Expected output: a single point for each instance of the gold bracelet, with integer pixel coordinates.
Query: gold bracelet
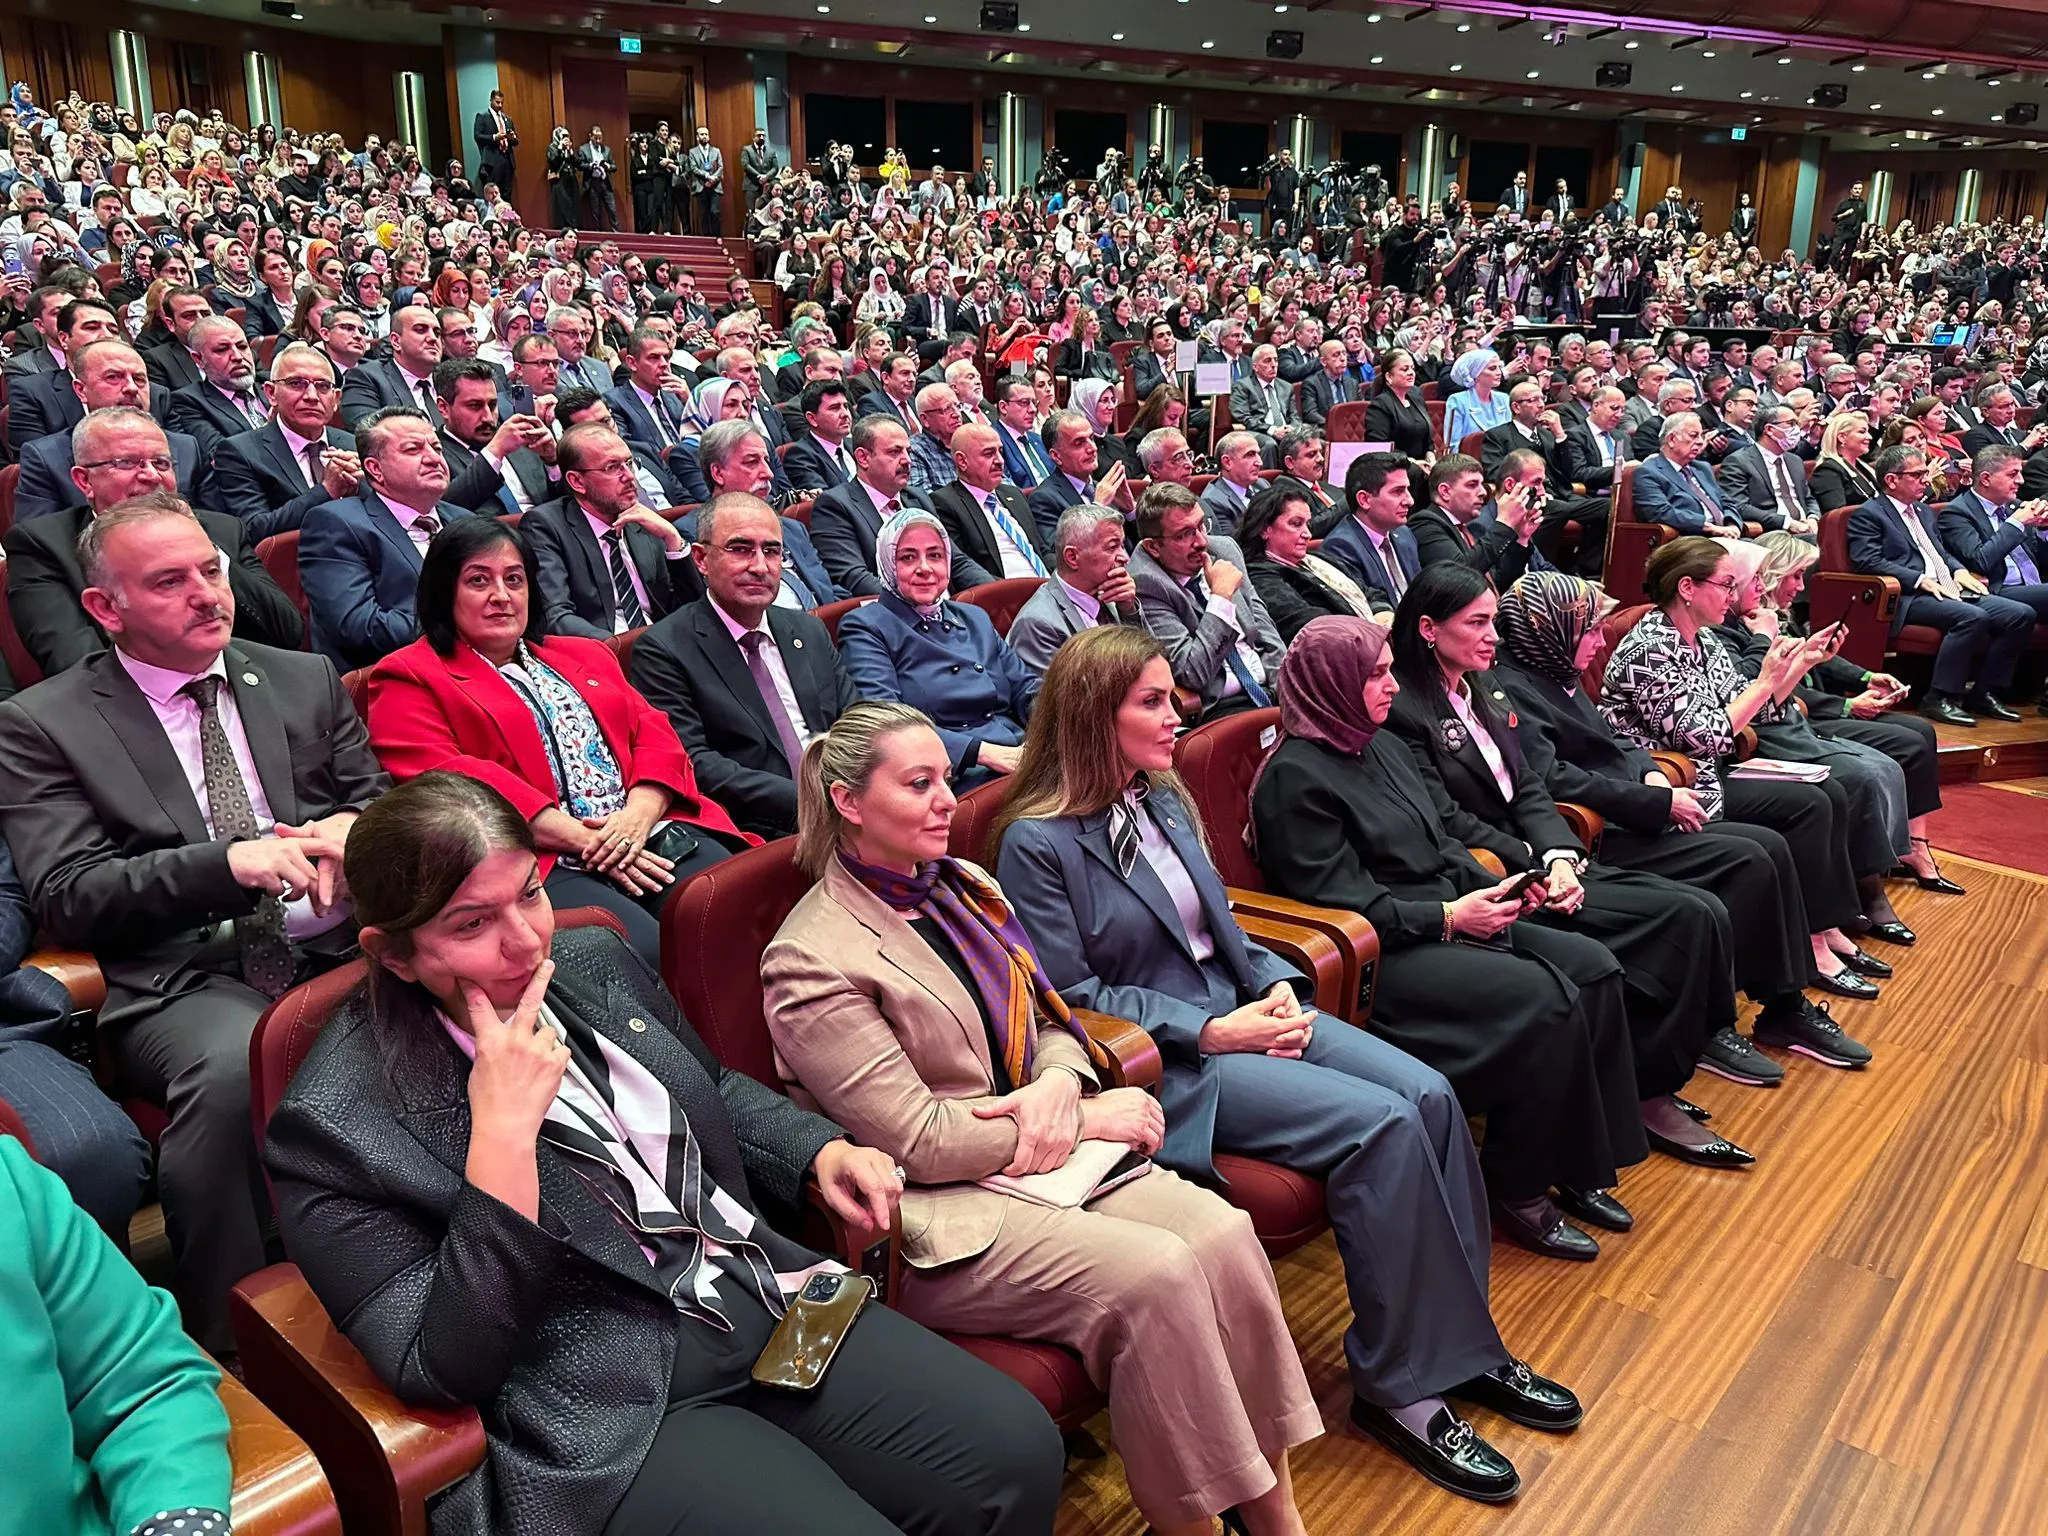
(1447, 924)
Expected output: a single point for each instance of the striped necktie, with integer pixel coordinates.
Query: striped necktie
(1012, 532)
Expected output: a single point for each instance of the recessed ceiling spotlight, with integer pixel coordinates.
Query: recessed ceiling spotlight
(1785, 60)
(1708, 53)
(1747, 94)
(1926, 74)
(1937, 111)
(1456, 67)
(1464, 26)
(1877, 106)
(1372, 15)
(1994, 83)
(1210, 44)
(1857, 69)
(1631, 43)
(1378, 58)
(1116, 37)
(1678, 88)
(1534, 74)
(931, 20)
(1279, 10)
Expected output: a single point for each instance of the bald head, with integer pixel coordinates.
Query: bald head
(978, 455)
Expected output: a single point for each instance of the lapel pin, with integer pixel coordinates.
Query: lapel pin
(251, 679)
(798, 644)
(592, 681)
(638, 1026)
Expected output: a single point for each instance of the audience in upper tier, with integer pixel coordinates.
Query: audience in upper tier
(329, 472)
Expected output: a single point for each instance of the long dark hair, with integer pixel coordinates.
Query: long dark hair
(1437, 592)
(460, 542)
(407, 856)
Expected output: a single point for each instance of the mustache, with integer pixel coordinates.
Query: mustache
(212, 614)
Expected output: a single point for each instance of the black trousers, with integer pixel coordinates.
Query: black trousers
(1981, 640)
(1751, 870)
(1909, 741)
(569, 887)
(1806, 817)
(906, 1433)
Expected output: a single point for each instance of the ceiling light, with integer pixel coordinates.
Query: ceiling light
(1678, 88)
(1279, 10)
(1534, 74)
(1786, 60)
(1210, 44)
(931, 21)
(1926, 74)
(1116, 37)
(824, 10)
(1994, 83)
(1857, 69)
(1372, 15)
(1023, 26)
(1747, 94)
(1877, 106)
(1378, 58)
(1631, 43)
(1937, 111)
(1464, 26)
(1708, 53)
(1456, 67)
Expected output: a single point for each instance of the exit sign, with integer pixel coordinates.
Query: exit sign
(629, 44)
(1738, 133)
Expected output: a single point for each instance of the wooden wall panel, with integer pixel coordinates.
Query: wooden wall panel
(728, 77)
(1777, 191)
(532, 96)
(594, 92)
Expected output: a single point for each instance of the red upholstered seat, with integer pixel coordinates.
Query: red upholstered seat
(712, 938)
(280, 556)
(1000, 600)
(1287, 1208)
(829, 614)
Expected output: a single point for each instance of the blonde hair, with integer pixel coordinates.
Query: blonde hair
(1841, 421)
(847, 754)
(1784, 553)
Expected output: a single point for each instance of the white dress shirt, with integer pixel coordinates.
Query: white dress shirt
(1180, 888)
(602, 530)
(1930, 558)
(408, 518)
(178, 713)
(771, 656)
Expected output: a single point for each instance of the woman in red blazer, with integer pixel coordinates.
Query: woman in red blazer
(550, 722)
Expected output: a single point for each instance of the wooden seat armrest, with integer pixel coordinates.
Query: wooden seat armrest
(1188, 705)
(1354, 937)
(1681, 770)
(1586, 823)
(862, 1248)
(384, 1457)
(1866, 604)
(1745, 745)
(1489, 861)
(1311, 951)
(1133, 1054)
(279, 1489)
(79, 972)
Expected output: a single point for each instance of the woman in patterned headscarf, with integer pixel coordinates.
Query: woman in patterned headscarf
(1549, 625)
(916, 646)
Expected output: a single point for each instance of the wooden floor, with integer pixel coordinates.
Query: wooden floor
(1849, 1340)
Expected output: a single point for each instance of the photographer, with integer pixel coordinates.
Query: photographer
(1052, 174)
(1155, 181)
(1283, 188)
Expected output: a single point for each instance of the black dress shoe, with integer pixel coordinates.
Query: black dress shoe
(1687, 1107)
(1847, 984)
(1555, 1239)
(1596, 1208)
(1863, 964)
(1940, 884)
(1715, 1154)
(1886, 933)
(1943, 710)
(1987, 705)
(1515, 1392)
(1451, 1456)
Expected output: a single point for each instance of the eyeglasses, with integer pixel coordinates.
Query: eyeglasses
(304, 386)
(1727, 584)
(158, 462)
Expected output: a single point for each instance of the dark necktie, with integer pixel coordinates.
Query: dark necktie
(629, 607)
(2020, 565)
(428, 523)
(313, 469)
(267, 963)
(753, 645)
(1791, 497)
(1234, 657)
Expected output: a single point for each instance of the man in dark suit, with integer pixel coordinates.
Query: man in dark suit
(43, 402)
(735, 457)
(658, 488)
(493, 466)
(647, 406)
(1994, 534)
(359, 557)
(170, 363)
(1225, 499)
(1596, 444)
(1153, 366)
(745, 715)
(893, 397)
(1025, 460)
(405, 378)
(1763, 480)
(1202, 608)
(496, 139)
(44, 578)
(1998, 406)
(35, 349)
(607, 563)
(819, 459)
(1331, 384)
(199, 916)
(225, 402)
(933, 315)
(1535, 427)
(1674, 488)
(1263, 402)
(272, 477)
(1304, 460)
(1090, 585)
(1983, 636)
(103, 374)
(1515, 199)
(988, 519)
(845, 520)
(1373, 545)
(1069, 441)
(1446, 529)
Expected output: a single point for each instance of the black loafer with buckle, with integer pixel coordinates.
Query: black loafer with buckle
(1452, 1455)
(1515, 1392)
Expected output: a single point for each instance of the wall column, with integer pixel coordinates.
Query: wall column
(1969, 190)
(409, 97)
(1010, 140)
(130, 54)
(473, 56)
(1807, 194)
(1426, 165)
(1881, 199)
(259, 79)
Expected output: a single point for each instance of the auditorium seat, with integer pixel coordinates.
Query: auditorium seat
(279, 1488)
(1346, 422)
(10, 477)
(1000, 600)
(829, 614)
(1629, 543)
(622, 647)
(1838, 593)
(280, 556)
(387, 1458)
(712, 938)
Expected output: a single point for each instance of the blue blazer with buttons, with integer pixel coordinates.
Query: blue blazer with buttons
(955, 668)
(361, 573)
(1114, 943)
(1348, 547)
(1663, 495)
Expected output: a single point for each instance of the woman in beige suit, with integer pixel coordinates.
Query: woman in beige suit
(905, 1001)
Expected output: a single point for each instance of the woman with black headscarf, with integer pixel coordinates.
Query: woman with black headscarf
(1549, 626)
(1673, 941)
(1529, 1024)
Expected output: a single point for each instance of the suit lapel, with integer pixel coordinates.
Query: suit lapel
(1143, 881)
(905, 949)
(717, 643)
(256, 703)
(1174, 825)
(272, 439)
(651, 561)
(135, 725)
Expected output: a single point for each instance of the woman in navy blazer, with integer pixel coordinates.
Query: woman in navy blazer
(913, 645)
(1104, 862)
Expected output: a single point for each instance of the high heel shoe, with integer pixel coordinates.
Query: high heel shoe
(1937, 882)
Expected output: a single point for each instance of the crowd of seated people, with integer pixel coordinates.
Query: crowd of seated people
(633, 585)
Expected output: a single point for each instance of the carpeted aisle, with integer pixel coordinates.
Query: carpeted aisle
(1997, 823)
